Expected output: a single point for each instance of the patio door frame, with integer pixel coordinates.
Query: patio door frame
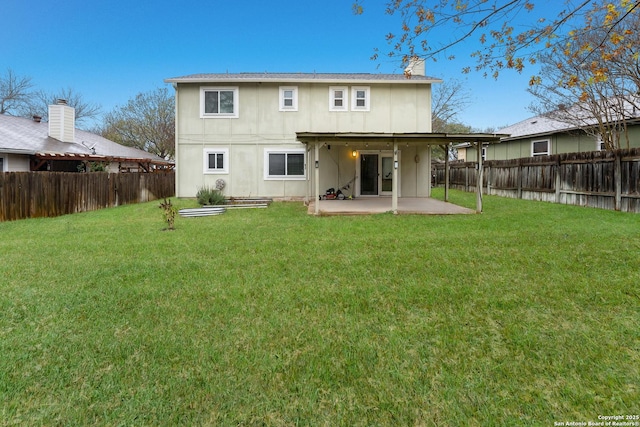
(380, 154)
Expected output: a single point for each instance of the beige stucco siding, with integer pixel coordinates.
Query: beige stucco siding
(261, 125)
(16, 163)
(633, 141)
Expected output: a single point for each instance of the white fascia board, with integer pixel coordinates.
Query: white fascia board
(304, 80)
(16, 151)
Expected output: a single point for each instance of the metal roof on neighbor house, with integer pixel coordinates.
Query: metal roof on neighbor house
(19, 135)
(304, 78)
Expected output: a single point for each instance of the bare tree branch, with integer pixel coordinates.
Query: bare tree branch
(592, 83)
(14, 92)
(146, 122)
(431, 28)
(40, 101)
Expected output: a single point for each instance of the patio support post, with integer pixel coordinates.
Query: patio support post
(316, 177)
(479, 178)
(307, 198)
(394, 184)
(446, 173)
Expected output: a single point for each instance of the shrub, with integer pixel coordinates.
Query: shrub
(169, 213)
(210, 196)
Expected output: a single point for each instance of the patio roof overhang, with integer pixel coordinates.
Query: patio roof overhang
(418, 138)
(145, 164)
(317, 139)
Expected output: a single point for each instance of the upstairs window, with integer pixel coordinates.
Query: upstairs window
(288, 98)
(540, 148)
(216, 160)
(338, 98)
(219, 102)
(360, 98)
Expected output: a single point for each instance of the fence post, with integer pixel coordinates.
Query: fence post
(435, 174)
(617, 180)
(479, 179)
(446, 174)
(519, 179)
(557, 180)
(466, 178)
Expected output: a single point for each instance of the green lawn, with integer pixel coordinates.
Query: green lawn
(528, 314)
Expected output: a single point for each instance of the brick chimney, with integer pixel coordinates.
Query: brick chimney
(62, 121)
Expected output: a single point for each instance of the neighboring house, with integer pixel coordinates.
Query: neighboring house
(541, 136)
(294, 135)
(32, 145)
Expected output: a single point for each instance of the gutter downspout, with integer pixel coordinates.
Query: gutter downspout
(175, 142)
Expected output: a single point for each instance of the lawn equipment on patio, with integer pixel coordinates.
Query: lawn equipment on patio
(332, 194)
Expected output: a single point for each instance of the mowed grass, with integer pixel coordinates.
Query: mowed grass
(528, 314)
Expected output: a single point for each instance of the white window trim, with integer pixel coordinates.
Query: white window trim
(225, 160)
(484, 153)
(294, 107)
(268, 177)
(3, 165)
(367, 96)
(548, 141)
(345, 98)
(236, 102)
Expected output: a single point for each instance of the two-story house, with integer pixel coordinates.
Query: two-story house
(269, 134)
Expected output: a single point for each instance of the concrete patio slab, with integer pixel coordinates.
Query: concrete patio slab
(374, 205)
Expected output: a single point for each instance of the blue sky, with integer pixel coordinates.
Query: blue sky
(110, 50)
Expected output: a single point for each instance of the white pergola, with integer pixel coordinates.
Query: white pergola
(360, 140)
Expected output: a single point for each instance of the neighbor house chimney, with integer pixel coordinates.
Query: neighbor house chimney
(415, 67)
(62, 120)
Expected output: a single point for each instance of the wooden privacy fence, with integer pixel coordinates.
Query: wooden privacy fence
(48, 194)
(601, 179)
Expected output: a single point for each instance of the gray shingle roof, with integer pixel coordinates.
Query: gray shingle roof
(25, 136)
(535, 126)
(303, 78)
(577, 116)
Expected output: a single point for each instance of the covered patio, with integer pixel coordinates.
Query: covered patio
(377, 205)
(360, 143)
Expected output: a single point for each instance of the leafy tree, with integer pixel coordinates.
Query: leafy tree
(14, 93)
(430, 28)
(592, 82)
(146, 122)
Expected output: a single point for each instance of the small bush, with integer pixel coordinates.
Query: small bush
(210, 196)
(169, 213)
